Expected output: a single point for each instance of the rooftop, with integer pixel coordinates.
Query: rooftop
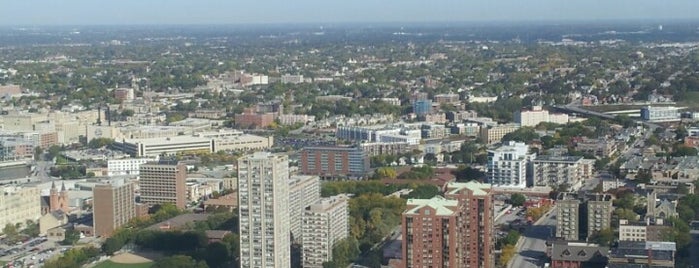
(443, 206)
(476, 187)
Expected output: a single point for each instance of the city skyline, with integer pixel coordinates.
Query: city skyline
(158, 12)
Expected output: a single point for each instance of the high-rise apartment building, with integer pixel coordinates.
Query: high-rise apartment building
(537, 115)
(568, 217)
(599, 213)
(507, 165)
(478, 239)
(335, 161)
(451, 231)
(325, 223)
(431, 233)
(163, 182)
(303, 191)
(263, 194)
(114, 205)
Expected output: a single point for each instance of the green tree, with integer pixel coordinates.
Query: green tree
(10, 232)
(517, 199)
(385, 173)
(216, 255)
(604, 237)
(179, 261)
(111, 245)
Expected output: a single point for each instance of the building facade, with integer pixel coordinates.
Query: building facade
(494, 134)
(263, 194)
(335, 161)
(129, 166)
(508, 164)
(163, 182)
(568, 217)
(19, 204)
(428, 225)
(114, 205)
(554, 171)
(599, 213)
(477, 242)
(153, 147)
(303, 191)
(660, 114)
(325, 223)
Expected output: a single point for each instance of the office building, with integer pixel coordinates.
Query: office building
(599, 213)
(429, 228)
(19, 204)
(114, 204)
(476, 228)
(643, 254)
(660, 114)
(335, 161)
(554, 171)
(303, 191)
(163, 182)
(325, 223)
(152, 147)
(263, 208)
(568, 217)
(508, 164)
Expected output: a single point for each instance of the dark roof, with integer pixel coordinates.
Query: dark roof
(641, 249)
(178, 222)
(578, 252)
(216, 234)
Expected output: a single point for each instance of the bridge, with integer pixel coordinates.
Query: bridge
(581, 111)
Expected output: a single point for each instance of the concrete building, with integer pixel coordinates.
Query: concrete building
(422, 107)
(335, 161)
(19, 204)
(554, 171)
(537, 115)
(153, 147)
(599, 213)
(429, 226)
(507, 165)
(114, 204)
(477, 239)
(263, 194)
(494, 134)
(325, 223)
(660, 114)
(52, 220)
(163, 182)
(303, 191)
(292, 79)
(240, 142)
(568, 217)
(643, 254)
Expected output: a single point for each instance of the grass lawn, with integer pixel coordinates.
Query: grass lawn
(110, 264)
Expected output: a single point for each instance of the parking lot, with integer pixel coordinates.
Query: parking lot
(31, 253)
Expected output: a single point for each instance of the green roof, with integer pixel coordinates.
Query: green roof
(441, 205)
(476, 187)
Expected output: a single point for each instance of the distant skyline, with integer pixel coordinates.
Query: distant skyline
(125, 12)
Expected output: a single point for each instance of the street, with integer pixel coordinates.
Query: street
(532, 248)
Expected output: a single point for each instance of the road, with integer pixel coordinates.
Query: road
(531, 251)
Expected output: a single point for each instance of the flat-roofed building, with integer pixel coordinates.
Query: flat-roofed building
(19, 204)
(334, 161)
(168, 146)
(325, 223)
(303, 191)
(114, 205)
(430, 231)
(163, 182)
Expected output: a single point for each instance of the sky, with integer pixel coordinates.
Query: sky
(117, 12)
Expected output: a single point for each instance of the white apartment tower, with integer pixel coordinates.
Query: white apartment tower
(263, 194)
(324, 224)
(303, 191)
(507, 165)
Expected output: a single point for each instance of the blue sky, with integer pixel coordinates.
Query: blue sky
(80, 12)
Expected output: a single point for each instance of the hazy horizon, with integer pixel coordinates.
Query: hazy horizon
(220, 12)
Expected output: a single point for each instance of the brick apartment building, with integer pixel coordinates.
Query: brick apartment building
(335, 161)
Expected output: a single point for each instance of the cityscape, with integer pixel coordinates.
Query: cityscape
(349, 144)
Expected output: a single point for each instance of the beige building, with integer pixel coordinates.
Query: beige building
(325, 222)
(19, 204)
(114, 204)
(163, 182)
(52, 220)
(490, 135)
(554, 171)
(303, 191)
